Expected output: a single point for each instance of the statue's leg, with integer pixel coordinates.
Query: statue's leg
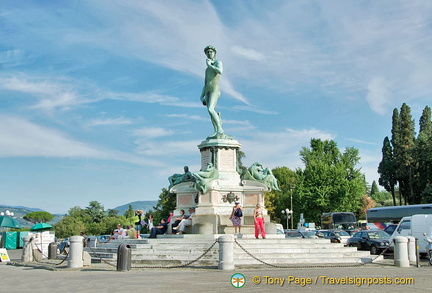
(212, 101)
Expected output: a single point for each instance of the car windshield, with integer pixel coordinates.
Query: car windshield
(308, 234)
(378, 235)
(341, 233)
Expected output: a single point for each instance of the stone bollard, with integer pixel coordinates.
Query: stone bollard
(226, 252)
(401, 251)
(76, 252)
(412, 256)
(27, 252)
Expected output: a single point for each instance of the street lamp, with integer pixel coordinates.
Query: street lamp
(288, 215)
(292, 209)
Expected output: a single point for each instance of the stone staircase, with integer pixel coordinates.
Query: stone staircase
(170, 250)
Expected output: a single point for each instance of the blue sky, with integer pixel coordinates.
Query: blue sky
(99, 100)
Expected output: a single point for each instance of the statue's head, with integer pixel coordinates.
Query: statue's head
(186, 169)
(209, 47)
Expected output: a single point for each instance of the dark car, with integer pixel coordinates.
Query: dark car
(293, 234)
(373, 240)
(335, 235)
(308, 234)
(390, 229)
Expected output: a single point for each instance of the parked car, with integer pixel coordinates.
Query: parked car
(373, 240)
(103, 238)
(334, 235)
(293, 234)
(390, 229)
(308, 234)
(299, 234)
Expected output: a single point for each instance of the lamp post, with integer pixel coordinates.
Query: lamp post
(292, 209)
(288, 215)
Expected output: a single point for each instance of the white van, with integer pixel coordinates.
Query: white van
(415, 226)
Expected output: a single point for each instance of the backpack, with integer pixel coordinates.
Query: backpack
(238, 213)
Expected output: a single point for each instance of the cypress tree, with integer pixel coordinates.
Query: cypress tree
(404, 150)
(386, 169)
(423, 157)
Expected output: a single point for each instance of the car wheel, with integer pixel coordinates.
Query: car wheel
(373, 250)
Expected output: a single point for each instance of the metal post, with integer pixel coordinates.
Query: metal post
(292, 209)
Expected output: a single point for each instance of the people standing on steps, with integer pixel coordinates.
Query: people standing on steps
(259, 221)
(235, 216)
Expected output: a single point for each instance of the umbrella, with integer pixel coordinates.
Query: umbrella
(40, 227)
(9, 222)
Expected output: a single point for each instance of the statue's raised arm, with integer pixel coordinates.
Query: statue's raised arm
(211, 91)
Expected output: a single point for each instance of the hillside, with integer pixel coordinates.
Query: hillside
(136, 205)
(21, 211)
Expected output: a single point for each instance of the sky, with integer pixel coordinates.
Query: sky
(100, 100)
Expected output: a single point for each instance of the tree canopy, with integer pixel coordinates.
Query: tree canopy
(406, 162)
(330, 182)
(38, 217)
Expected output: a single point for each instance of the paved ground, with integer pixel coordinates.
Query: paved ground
(104, 278)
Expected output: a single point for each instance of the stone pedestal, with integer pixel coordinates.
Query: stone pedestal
(214, 207)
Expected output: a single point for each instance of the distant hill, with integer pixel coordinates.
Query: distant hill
(136, 205)
(20, 212)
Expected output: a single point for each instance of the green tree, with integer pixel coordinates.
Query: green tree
(95, 211)
(423, 156)
(165, 204)
(38, 217)
(374, 189)
(383, 198)
(386, 169)
(106, 225)
(403, 154)
(330, 181)
(277, 201)
(69, 226)
(112, 213)
(130, 213)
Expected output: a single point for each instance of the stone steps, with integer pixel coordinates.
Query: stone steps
(180, 249)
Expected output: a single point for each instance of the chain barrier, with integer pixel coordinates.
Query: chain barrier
(179, 266)
(43, 255)
(96, 254)
(305, 266)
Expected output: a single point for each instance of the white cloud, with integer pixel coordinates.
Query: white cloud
(248, 53)
(152, 132)
(361, 141)
(22, 138)
(108, 122)
(166, 149)
(280, 148)
(378, 95)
